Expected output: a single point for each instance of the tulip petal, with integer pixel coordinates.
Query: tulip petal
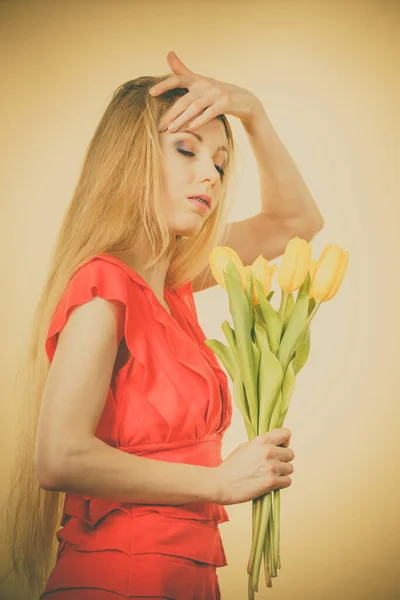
(263, 273)
(342, 268)
(329, 272)
(219, 258)
(217, 263)
(295, 264)
(301, 266)
(312, 267)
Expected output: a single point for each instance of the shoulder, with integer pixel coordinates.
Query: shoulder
(99, 283)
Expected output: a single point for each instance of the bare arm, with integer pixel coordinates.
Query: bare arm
(96, 469)
(68, 456)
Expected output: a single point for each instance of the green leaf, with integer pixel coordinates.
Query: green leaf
(225, 354)
(269, 381)
(288, 311)
(288, 386)
(259, 320)
(271, 319)
(275, 415)
(249, 296)
(257, 360)
(239, 396)
(302, 351)
(295, 326)
(242, 320)
(231, 339)
(311, 304)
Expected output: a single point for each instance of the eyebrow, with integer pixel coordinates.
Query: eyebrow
(198, 136)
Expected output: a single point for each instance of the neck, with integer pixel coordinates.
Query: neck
(155, 276)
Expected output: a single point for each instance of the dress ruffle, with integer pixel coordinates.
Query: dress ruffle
(143, 575)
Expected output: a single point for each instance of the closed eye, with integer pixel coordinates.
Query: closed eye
(191, 154)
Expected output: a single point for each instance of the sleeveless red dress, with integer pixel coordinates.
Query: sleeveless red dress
(169, 402)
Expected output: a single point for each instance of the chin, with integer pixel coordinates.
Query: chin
(187, 229)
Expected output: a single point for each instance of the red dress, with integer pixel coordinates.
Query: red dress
(169, 402)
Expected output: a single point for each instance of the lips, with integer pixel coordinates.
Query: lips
(203, 197)
(202, 206)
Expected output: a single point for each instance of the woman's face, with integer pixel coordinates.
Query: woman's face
(191, 167)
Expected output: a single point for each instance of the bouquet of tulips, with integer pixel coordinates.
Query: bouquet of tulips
(266, 350)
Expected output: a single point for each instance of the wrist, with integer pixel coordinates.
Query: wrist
(214, 491)
(255, 113)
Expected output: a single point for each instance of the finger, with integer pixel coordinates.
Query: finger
(285, 482)
(208, 115)
(285, 454)
(194, 109)
(168, 84)
(177, 66)
(287, 469)
(284, 468)
(279, 437)
(177, 109)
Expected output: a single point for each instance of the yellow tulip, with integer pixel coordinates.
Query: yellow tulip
(312, 266)
(245, 276)
(219, 257)
(295, 265)
(329, 272)
(263, 272)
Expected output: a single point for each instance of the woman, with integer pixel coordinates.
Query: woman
(127, 406)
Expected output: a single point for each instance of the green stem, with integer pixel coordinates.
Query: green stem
(267, 562)
(312, 314)
(277, 513)
(282, 307)
(255, 534)
(250, 591)
(270, 534)
(265, 512)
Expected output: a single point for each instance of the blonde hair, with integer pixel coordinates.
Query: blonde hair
(115, 207)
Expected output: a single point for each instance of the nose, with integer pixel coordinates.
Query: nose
(206, 170)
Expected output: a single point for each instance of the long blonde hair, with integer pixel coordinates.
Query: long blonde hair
(115, 207)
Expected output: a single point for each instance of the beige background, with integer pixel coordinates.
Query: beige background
(328, 76)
